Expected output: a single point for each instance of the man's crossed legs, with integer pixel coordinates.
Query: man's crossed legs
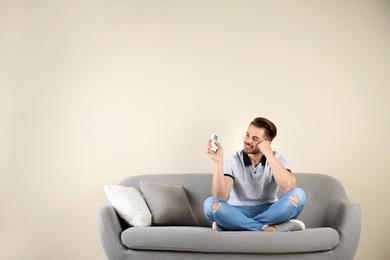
(264, 217)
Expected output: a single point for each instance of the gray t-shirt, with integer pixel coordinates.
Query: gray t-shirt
(252, 185)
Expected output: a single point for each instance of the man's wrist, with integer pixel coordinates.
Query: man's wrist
(268, 154)
(218, 161)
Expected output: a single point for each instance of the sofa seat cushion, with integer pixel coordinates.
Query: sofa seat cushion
(202, 239)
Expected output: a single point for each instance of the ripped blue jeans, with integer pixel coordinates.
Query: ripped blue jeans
(255, 218)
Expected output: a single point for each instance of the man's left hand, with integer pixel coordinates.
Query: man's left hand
(265, 147)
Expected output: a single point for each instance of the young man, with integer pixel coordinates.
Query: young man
(244, 186)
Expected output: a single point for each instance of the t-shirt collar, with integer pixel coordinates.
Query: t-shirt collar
(247, 160)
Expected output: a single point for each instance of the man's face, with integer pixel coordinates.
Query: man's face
(252, 138)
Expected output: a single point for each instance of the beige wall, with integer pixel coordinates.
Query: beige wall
(93, 92)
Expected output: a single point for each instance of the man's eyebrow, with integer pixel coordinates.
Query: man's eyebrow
(254, 137)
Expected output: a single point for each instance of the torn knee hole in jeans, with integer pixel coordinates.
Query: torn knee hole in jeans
(294, 200)
(216, 205)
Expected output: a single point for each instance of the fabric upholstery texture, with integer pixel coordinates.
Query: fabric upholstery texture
(168, 204)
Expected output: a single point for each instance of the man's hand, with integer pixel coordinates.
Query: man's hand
(215, 156)
(265, 147)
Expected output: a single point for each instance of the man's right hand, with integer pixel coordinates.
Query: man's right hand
(215, 156)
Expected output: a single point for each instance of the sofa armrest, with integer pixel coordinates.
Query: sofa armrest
(347, 222)
(110, 230)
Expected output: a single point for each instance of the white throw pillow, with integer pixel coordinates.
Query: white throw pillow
(130, 205)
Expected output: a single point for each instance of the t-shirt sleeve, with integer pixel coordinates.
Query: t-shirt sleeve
(283, 161)
(228, 167)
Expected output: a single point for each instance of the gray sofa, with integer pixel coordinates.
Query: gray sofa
(333, 225)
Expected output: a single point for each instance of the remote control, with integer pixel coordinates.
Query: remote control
(214, 138)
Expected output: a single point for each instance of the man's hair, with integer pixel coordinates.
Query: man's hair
(268, 126)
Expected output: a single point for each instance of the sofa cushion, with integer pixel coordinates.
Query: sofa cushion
(201, 239)
(129, 204)
(168, 204)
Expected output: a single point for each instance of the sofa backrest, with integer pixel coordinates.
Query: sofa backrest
(321, 191)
